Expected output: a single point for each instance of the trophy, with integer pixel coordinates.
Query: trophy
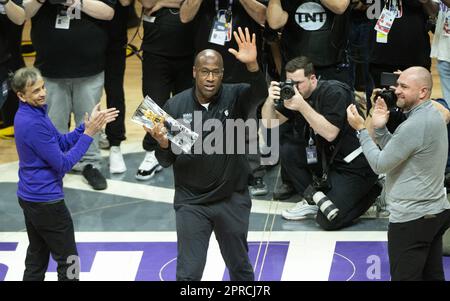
(149, 114)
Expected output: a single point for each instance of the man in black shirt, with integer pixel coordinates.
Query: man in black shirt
(114, 77)
(11, 14)
(168, 53)
(317, 29)
(211, 191)
(214, 21)
(407, 43)
(322, 143)
(70, 41)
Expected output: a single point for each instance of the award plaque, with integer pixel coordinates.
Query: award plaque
(149, 113)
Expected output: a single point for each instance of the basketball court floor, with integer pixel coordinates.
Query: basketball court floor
(127, 232)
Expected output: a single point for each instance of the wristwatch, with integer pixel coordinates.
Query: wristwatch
(358, 132)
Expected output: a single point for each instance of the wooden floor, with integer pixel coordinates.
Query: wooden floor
(133, 95)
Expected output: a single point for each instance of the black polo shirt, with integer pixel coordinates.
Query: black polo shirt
(408, 40)
(167, 36)
(314, 31)
(235, 71)
(205, 178)
(69, 53)
(5, 54)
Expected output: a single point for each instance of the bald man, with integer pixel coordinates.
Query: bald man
(211, 192)
(413, 159)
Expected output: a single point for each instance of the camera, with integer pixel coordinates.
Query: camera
(313, 195)
(389, 96)
(287, 89)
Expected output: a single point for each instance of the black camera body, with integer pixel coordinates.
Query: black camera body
(389, 96)
(287, 89)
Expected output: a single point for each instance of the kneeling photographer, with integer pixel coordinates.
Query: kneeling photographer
(321, 157)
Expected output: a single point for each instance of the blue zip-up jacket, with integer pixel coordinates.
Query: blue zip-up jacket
(45, 155)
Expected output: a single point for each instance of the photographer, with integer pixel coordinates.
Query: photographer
(413, 158)
(322, 143)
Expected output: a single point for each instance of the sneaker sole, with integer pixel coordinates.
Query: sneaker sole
(259, 193)
(143, 178)
(117, 171)
(308, 216)
(86, 181)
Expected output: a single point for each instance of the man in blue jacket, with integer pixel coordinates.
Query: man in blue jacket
(45, 156)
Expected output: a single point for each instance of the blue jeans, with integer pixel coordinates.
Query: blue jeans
(444, 74)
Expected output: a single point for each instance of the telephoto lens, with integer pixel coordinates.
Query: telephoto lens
(322, 201)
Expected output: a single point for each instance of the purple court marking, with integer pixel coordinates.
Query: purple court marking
(354, 261)
(160, 257)
(3, 271)
(6, 246)
(273, 262)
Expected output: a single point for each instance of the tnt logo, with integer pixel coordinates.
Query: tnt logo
(311, 16)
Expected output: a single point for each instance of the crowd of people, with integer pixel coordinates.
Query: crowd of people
(294, 65)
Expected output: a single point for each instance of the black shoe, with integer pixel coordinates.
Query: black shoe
(258, 187)
(283, 192)
(94, 177)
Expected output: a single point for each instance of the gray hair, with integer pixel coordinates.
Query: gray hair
(25, 77)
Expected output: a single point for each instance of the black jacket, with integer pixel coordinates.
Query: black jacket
(205, 178)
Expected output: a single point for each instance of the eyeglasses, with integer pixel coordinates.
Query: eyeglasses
(205, 73)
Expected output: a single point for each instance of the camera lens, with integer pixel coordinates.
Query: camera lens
(287, 89)
(322, 201)
(325, 205)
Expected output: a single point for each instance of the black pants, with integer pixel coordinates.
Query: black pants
(254, 159)
(229, 220)
(115, 72)
(161, 77)
(352, 193)
(50, 231)
(415, 248)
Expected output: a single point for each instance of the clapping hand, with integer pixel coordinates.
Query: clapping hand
(380, 114)
(98, 119)
(354, 119)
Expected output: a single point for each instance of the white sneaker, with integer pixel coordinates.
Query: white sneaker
(301, 210)
(116, 162)
(148, 167)
(103, 141)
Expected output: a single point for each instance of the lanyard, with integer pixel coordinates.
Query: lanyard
(228, 13)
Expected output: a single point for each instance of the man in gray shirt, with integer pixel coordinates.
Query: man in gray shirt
(414, 159)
